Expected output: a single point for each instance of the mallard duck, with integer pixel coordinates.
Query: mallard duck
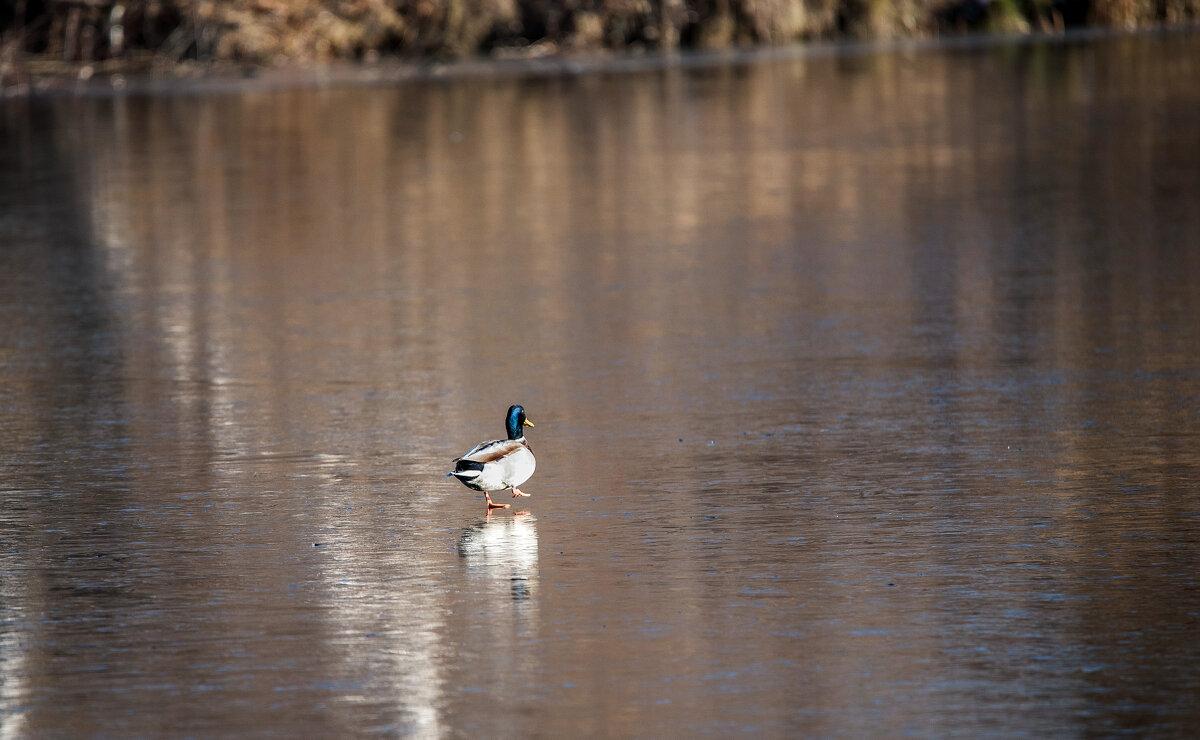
(499, 464)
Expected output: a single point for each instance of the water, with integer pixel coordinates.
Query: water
(865, 384)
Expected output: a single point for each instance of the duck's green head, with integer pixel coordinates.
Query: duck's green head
(516, 420)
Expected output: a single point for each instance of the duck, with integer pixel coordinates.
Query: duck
(501, 463)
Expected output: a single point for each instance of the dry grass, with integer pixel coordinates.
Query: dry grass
(163, 33)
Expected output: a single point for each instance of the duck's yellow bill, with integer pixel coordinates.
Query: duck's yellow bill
(528, 423)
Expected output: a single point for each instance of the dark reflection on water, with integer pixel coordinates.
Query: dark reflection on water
(865, 390)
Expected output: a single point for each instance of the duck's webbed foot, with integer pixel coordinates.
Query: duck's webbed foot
(517, 492)
(492, 504)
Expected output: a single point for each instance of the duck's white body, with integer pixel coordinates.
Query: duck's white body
(503, 463)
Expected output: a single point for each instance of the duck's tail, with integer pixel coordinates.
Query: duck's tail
(466, 470)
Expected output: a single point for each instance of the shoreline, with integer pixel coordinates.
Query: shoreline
(147, 77)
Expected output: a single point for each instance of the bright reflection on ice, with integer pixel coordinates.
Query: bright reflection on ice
(503, 550)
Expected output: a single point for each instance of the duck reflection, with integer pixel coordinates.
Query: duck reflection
(504, 550)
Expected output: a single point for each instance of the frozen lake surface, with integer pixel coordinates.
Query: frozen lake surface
(866, 384)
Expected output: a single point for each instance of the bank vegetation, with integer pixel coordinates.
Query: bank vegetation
(80, 36)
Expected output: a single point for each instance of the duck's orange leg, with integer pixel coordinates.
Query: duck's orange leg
(493, 504)
(517, 492)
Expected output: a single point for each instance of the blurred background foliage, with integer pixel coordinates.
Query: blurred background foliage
(278, 32)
